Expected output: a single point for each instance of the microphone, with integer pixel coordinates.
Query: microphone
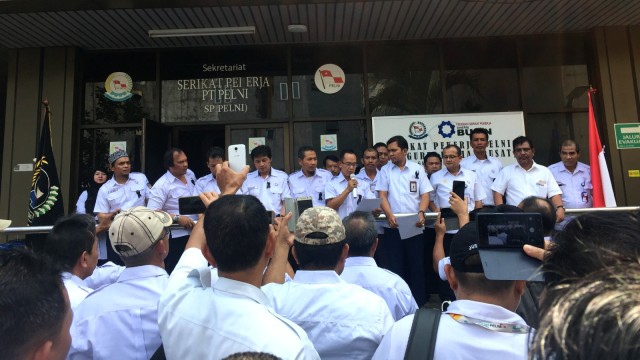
(354, 191)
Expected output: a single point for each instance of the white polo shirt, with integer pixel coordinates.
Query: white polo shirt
(457, 341)
(519, 183)
(442, 182)
(207, 183)
(344, 321)
(337, 185)
(313, 186)
(120, 320)
(271, 190)
(487, 170)
(404, 187)
(363, 271)
(166, 192)
(575, 186)
(113, 196)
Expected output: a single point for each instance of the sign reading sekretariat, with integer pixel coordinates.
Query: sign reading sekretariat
(223, 94)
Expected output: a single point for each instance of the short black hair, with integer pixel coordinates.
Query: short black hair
(261, 150)
(378, 144)
(329, 157)
(70, 237)
(318, 257)
(360, 232)
(167, 158)
(521, 140)
(213, 153)
(479, 130)
(453, 146)
(432, 154)
(370, 149)
(303, 149)
(347, 151)
(544, 207)
(32, 302)
(400, 140)
(236, 228)
(570, 142)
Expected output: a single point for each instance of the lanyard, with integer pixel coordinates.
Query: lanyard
(493, 326)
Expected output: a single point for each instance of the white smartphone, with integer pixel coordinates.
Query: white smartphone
(237, 157)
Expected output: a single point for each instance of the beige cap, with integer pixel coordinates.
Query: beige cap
(319, 219)
(136, 230)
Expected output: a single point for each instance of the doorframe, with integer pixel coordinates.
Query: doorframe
(288, 156)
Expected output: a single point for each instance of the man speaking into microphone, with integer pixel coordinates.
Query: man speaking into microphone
(343, 193)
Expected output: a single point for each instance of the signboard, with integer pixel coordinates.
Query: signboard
(627, 136)
(329, 142)
(426, 133)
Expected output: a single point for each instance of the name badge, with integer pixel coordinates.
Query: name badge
(413, 186)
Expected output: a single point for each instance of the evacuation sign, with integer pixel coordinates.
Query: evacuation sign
(627, 135)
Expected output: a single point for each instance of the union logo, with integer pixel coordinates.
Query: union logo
(417, 130)
(118, 87)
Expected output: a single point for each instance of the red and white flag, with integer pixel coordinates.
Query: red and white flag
(600, 179)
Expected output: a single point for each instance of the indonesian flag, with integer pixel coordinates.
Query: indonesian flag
(602, 190)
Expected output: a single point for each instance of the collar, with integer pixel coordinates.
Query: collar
(74, 278)
(533, 166)
(484, 311)
(362, 174)
(139, 272)
(460, 171)
(241, 289)
(360, 261)
(317, 277)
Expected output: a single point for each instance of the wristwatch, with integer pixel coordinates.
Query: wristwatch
(559, 206)
(176, 219)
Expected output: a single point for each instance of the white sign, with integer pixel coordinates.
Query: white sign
(329, 142)
(117, 145)
(329, 78)
(426, 133)
(254, 142)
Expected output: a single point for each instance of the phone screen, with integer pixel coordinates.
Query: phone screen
(458, 188)
(190, 205)
(509, 230)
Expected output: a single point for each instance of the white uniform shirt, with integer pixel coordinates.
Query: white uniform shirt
(442, 182)
(300, 185)
(400, 183)
(457, 341)
(228, 318)
(80, 207)
(113, 196)
(337, 185)
(575, 186)
(271, 190)
(344, 321)
(370, 185)
(120, 320)
(519, 183)
(102, 237)
(207, 183)
(363, 271)
(166, 192)
(486, 170)
(78, 289)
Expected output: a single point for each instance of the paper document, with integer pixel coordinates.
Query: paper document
(407, 225)
(369, 205)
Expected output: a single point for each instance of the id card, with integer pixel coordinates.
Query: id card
(413, 186)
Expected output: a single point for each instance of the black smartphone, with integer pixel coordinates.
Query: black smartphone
(190, 205)
(271, 215)
(512, 230)
(304, 204)
(458, 188)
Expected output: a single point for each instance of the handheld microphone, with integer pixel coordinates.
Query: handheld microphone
(354, 191)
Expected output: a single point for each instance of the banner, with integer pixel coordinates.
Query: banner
(426, 133)
(45, 197)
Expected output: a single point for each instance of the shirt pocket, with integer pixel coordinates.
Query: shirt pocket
(298, 191)
(139, 190)
(115, 198)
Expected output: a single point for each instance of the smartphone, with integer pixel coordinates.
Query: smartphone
(458, 188)
(511, 230)
(296, 207)
(237, 157)
(190, 205)
(271, 215)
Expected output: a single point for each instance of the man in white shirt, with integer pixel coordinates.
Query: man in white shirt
(526, 178)
(35, 309)
(344, 321)
(73, 245)
(233, 315)
(481, 323)
(404, 189)
(383, 154)
(121, 320)
(309, 180)
(573, 177)
(177, 182)
(340, 191)
(361, 269)
(485, 166)
(269, 185)
(208, 183)
(123, 191)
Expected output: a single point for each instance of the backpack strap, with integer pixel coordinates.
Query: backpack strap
(422, 339)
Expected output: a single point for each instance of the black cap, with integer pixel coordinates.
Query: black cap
(464, 245)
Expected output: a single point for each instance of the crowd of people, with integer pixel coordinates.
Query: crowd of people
(223, 285)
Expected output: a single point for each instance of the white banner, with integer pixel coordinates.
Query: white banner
(426, 133)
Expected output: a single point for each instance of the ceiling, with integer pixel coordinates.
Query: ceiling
(123, 24)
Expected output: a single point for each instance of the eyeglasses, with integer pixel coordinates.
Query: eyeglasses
(350, 164)
(448, 157)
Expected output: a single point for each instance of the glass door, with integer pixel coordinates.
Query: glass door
(276, 136)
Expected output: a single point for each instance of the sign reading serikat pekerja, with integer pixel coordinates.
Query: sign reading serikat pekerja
(426, 133)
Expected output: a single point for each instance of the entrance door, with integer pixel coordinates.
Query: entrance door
(276, 136)
(195, 141)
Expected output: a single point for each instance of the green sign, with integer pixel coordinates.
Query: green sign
(627, 136)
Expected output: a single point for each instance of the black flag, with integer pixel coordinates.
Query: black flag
(45, 198)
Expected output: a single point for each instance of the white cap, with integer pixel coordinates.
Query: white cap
(136, 230)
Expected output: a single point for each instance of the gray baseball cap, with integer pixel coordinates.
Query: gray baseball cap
(319, 219)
